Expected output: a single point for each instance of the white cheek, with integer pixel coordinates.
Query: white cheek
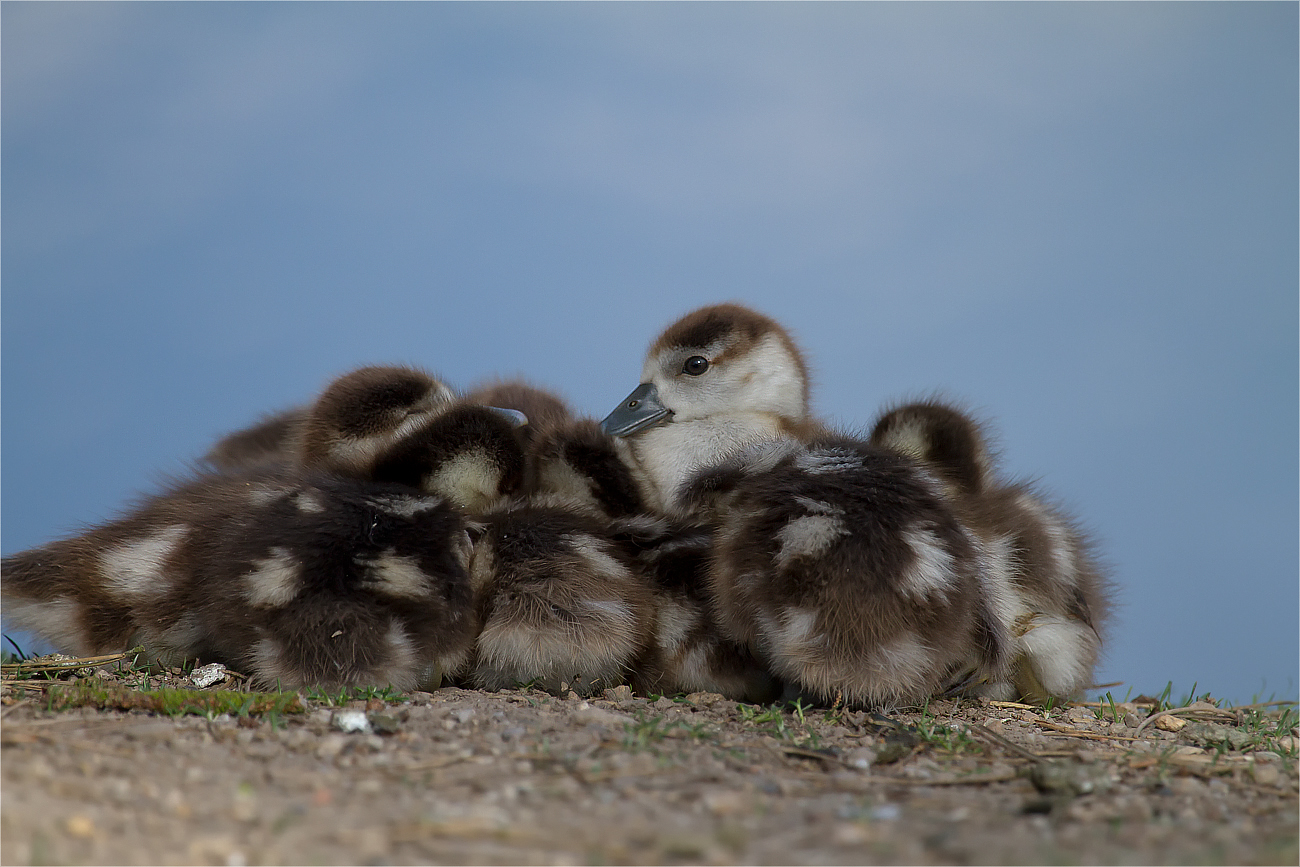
(773, 381)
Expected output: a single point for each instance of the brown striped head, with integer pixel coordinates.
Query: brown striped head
(365, 412)
(941, 436)
(720, 360)
(544, 410)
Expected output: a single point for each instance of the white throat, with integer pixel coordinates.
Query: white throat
(668, 455)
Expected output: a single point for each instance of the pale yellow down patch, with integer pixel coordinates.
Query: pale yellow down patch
(806, 537)
(135, 569)
(394, 575)
(931, 570)
(274, 581)
(1062, 652)
(592, 551)
(559, 477)
(673, 623)
(469, 480)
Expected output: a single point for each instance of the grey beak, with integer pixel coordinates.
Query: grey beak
(639, 410)
(514, 416)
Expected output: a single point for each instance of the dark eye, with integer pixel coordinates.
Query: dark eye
(695, 365)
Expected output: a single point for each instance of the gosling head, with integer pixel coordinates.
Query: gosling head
(472, 455)
(941, 436)
(544, 410)
(719, 379)
(365, 412)
(723, 360)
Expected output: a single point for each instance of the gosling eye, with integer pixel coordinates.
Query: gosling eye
(695, 365)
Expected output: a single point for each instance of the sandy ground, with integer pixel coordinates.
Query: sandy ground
(523, 777)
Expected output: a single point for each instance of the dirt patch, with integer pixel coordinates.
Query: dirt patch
(523, 777)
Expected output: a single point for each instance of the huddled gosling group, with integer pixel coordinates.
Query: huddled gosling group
(710, 534)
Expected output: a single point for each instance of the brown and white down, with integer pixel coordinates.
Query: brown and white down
(689, 652)
(1045, 581)
(840, 564)
(568, 455)
(577, 474)
(399, 425)
(556, 600)
(354, 415)
(294, 579)
(363, 517)
(562, 605)
(844, 566)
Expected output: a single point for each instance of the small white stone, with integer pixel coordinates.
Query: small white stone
(350, 721)
(213, 672)
(860, 758)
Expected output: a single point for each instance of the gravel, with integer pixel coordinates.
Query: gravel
(523, 777)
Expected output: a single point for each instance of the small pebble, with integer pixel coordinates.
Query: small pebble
(892, 751)
(1081, 715)
(1187, 786)
(619, 693)
(80, 826)
(330, 746)
(1170, 724)
(860, 758)
(724, 802)
(850, 834)
(1265, 774)
(384, 724)
(886, 812)
(595, 716)
(349, 721)
(213, 672)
